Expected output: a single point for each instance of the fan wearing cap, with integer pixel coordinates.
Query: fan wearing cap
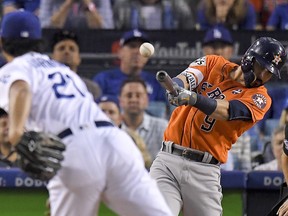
(218, 41)
(110, 106)
(66, 49)
(131, 64)
(101, 162)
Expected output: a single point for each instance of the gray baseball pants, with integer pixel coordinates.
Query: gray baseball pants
(193, 187)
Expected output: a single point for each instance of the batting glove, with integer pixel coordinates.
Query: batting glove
(184, 97)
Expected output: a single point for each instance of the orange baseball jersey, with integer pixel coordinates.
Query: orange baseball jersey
(190, 127)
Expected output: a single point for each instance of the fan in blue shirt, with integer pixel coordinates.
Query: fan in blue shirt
(28, 5)
(131, 64)
(279, 18)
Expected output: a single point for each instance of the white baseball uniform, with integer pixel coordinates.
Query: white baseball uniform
(101, 161)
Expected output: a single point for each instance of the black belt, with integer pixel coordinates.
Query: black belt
(68, 131)
(190, 154)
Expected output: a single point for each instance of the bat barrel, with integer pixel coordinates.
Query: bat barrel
(161, 76)
(166, 82)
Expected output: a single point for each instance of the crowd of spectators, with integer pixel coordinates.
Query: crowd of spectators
(149, 112)
(155, 14)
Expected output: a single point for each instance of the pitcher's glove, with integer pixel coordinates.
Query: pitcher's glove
(39, 154)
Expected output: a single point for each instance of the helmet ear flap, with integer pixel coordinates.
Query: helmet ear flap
(247, 63)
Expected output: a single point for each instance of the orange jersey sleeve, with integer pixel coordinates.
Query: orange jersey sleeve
(190, 127)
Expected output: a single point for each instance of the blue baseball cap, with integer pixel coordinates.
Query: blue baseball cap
(108, 98)
(134, 34)
(218, 34)
(20, 24)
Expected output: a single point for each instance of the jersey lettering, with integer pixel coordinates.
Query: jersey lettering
(208, 123)
(190, 79)
(204, 86)
(63, 82)
(216, 94)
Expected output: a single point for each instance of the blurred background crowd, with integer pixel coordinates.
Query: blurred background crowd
(156, 14)
(128, 92)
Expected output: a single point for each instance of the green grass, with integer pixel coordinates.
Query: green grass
(22, 202)
(31, 202)
(232, 203)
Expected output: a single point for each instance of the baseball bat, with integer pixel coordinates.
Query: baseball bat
(166, 82)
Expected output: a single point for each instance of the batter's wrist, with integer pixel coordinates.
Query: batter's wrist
(205, 104)
(178, 81)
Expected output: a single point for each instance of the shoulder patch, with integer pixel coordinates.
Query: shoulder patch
(259, 100)
(199, 62)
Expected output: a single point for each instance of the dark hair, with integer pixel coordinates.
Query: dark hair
(64, 35)
(3, 113)
(18, 47)
(236, 13)
(133, 79)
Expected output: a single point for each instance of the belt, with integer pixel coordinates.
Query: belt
(191, 154)
(68, 131)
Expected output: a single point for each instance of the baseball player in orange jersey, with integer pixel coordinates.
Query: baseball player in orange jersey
(216, 101)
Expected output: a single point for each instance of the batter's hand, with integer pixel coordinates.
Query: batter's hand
(184, 97)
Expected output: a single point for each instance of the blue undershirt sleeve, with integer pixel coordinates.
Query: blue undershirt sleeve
(238, 111)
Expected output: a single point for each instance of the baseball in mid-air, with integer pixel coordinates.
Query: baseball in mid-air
(146, 49)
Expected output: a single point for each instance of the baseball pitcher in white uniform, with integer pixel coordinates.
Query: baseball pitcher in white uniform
(101, 162)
